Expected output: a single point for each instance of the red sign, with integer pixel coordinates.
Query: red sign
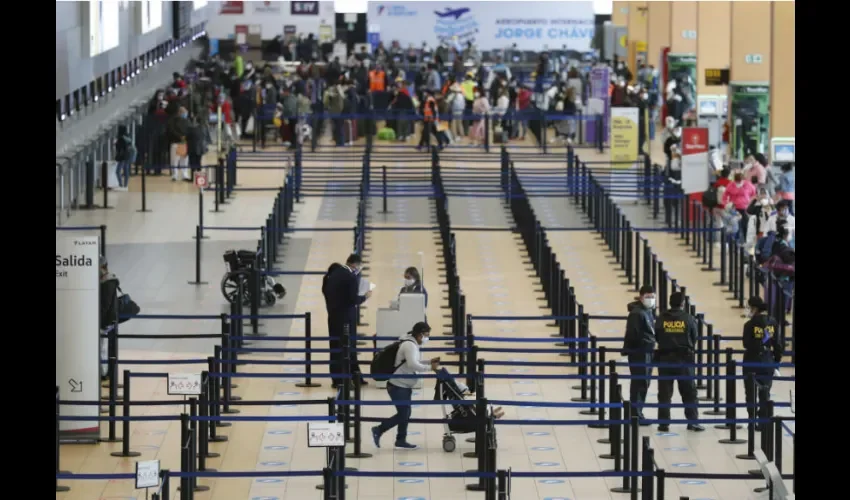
(694, 140)
(201, 180)
(232, 8)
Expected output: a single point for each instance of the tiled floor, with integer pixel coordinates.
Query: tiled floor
(153, 255)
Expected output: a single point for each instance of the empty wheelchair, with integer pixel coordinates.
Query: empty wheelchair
(237, 263)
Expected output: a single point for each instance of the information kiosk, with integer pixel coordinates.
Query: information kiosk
(711, 114)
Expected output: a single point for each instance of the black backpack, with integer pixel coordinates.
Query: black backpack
(709, 197)
(383, 364)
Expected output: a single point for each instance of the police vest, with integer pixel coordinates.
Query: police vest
(428, 112)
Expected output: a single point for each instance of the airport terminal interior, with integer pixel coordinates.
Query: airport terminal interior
(558, 176)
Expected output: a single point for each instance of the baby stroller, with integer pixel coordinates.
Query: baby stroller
(462, 418)
(237, 263)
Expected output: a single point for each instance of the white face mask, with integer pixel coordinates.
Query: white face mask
(739, 184)
(648, 302)
(409, 282)
(677, 132)
(750, 313)
(424, 341)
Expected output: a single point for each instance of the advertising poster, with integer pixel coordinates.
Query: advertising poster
(78, 331)
(489, 25)
(749, 108)
(599, 102)
(695, 169)
(624, 136)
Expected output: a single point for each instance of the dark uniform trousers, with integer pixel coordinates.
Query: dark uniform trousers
(639, 387)
(687, 386)
(336, 329)
(763, 383)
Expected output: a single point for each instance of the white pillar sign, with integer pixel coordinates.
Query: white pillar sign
(77, 330)
(695, 168)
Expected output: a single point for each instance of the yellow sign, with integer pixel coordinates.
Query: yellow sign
(624, 137)
(640, 46)
(624, 40)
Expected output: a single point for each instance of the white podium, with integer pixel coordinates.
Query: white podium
(398, 320)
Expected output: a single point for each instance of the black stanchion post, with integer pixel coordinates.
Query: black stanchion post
(626, 454)
(767, 437)
(480, 444)
(125, 422)
(615, 398)
(104, 181)
(583, 357)
(193, 446)
(593, 362)
(144, 190)
(385, 210)
(204, 425)
(750, 380)
(731, 400)
(308, 358)
(635, 436)
(59, 488)
(700, 355)
(186, 465)
(660, 478)
(103, 240)
(715, 375)
(648, 465)
(358, 452)
(602, 362)
(198, 238)
(214, 399)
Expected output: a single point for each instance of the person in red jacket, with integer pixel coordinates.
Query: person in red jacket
(523, 105)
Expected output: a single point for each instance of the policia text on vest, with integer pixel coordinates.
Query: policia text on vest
(676, 337)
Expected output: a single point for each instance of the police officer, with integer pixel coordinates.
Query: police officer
(638, 344)
(676, 334)
(761, 345)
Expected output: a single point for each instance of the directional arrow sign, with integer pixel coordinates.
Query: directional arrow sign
(75, 386)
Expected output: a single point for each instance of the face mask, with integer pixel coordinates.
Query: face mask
(764, 202)
(644, 96)
(409, 282)
(739, 183)
(184, 115)
(782, 214)
(677, 133)
(749, 313)
(477, 95)
(424, 341)
(648, 303)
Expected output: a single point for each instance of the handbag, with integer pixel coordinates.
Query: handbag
(127, 308)
(182, 150)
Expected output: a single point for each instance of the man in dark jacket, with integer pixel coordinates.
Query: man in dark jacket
(176, 131)
(676, 333)
(638, 345)
(341, 291)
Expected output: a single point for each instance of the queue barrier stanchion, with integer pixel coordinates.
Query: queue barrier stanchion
(660, 479)
(144, 191)
(358, 451)
(59, 488)
(614, 396)
(700, 355)
(626, 449)
(602, 363)
(480, 393)
(104, 182)
(752, 407)
(480, 444)
(198, 238)
(634, 424)
(593, 363)
(308, 358)
(767, 438)
(164, 492)
(125, 422)
(218, 189)
(204, 425)
(213, 401)
(731, 400)
(503, 488)
(647, 466)
(583, 325)
(714, 370)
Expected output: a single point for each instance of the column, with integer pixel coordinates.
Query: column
(782, 65)
(750, 48)
(683, 28)
(637, 35)
(714, 22)
(620, 14)
(658, 27)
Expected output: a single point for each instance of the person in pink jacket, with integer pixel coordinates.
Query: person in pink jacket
(738, 194)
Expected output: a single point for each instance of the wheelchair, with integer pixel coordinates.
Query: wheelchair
(239, 261)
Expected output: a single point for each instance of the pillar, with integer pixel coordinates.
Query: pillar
(750, 46)
(658, 27)
(620, 14)
(637, 22)
(782, 66)
(714, 23)
(683, 28)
